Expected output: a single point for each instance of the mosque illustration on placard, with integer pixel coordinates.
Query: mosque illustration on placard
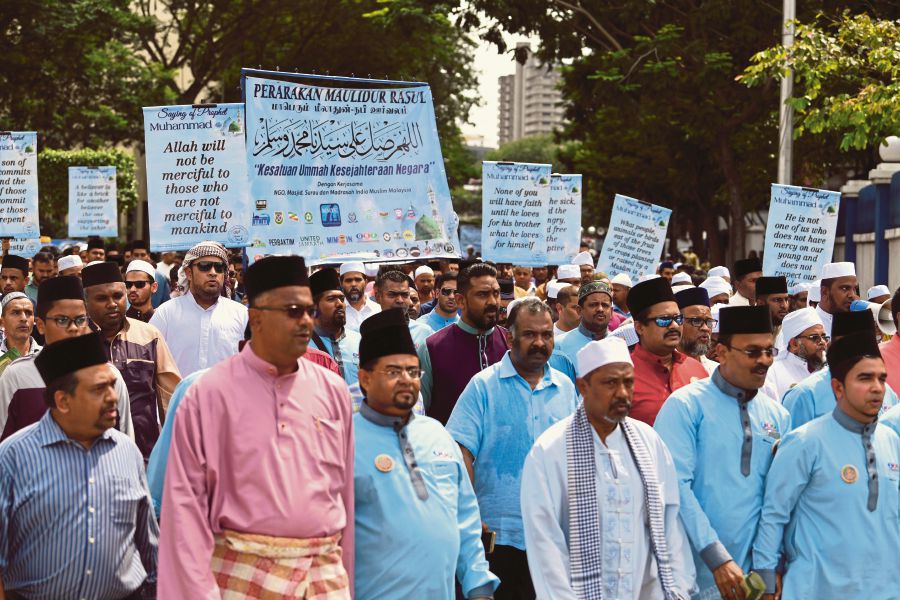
(429, 227)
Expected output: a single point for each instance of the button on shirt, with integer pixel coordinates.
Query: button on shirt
(74, 522)
(654, 382)
(497, 419)
(198, 337)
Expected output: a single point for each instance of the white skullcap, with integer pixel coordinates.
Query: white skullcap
(352, 267)
(67, 262)
(7, 298)
(141, 265)
(799, 288)
(647, 277)
(554, 286)
(568, 272)
(600, 353)
(878, 290)
(622, 279)
(583, 258)
(372, 270)
(627, 332)
(93, 262)
(715, 314)
(678, 265)
(715, 285)
(815, 292)
(682, 278)
(839, 269)
(799, 321)
(510, 306)
(720, 272)
(423, 270)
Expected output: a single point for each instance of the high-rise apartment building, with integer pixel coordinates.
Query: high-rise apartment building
(530, 103)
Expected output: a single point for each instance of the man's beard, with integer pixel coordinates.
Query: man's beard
(354, 294)
(696, 348)
(813, 362)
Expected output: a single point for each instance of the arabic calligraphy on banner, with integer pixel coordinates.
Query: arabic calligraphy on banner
(337, 172)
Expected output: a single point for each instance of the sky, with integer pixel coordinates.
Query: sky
(490, 66)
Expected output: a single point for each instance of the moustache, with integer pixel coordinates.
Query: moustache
(760, 370)
(538, 351)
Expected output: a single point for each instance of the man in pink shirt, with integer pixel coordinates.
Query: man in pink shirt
(659, 367)
(890, 350)
(258, 492)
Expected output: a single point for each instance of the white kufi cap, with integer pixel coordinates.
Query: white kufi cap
(603, 352)
(878, 290)
(799, 321)
(352, 267)
(839, 269)
(583, 258)
(622, 279)
(568, 272)
(67, 262)
(815, 292)
(682, 278)
(715, 285)
(423, 270)
(719, 272)
(141, 265)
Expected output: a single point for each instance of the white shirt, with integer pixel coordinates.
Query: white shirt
(197, 337)
(738, 300)
(629, 567)
(557, 332)
(827, 319)
(164, 269)
(787, 371)
(708, 364)
(355, 317)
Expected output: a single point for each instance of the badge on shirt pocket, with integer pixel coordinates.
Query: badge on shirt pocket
(849, 474)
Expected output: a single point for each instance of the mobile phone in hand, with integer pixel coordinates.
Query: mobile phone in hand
(488, 539)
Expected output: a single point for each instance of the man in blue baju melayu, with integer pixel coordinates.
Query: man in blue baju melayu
(831, 508)
(812, 397)
(721, 432)
(417, 517)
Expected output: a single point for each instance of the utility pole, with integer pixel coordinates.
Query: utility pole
(786, 113)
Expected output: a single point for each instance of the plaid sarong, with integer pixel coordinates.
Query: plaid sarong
(273, 568)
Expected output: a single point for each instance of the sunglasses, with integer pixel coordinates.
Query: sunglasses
(293, 311)
(815, 338)
(666, 321)
(447, 291)
(206, 265)
(136, 284)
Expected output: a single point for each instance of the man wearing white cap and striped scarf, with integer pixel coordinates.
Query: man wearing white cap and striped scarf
(353, 284)
(599, 496)
(805, 343)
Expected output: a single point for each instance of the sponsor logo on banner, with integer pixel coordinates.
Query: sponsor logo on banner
(307, 216)
(279, 217)
(351, 217)
(261, 220)
(261, 205)
(330, 214)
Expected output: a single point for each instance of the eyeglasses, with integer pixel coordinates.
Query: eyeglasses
(447, 291)
(815, 338)
(206, 265)
(699, 322)
(293, 311)
(136, 284)
(757, 352)
(666, 321)
(395, 373)
(64, 322)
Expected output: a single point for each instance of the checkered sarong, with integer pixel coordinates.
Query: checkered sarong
(273, 568)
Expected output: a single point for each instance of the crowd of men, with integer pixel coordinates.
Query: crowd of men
(185, 426)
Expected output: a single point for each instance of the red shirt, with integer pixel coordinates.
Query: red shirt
(890, 352)
(654, 383)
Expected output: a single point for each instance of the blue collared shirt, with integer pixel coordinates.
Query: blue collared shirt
(436, 321)
(498, 418)
(817, 511)
(391, 561)
(74, 522)
(348, 357)
(813, 397)
(571, 342)
(156, 468)
(702, 426)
